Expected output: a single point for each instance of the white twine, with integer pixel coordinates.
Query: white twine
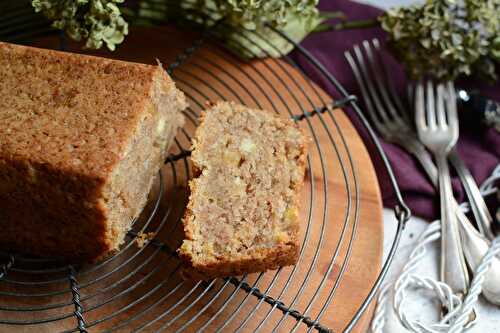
(459, 313)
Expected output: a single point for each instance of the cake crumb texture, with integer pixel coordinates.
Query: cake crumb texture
(81, 140)
(243, 211)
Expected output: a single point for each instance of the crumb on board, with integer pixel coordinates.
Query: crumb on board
(143, 238)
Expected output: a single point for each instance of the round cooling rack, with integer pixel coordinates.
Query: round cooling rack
(139, 289)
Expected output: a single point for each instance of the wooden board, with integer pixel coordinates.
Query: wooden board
(342, 214)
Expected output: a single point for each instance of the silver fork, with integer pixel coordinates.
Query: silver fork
(394, 125)
(384, 107)
(477, 204)
(437, 127)
(388, 116)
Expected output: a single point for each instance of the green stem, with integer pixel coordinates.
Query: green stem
(347, 25)
(332, 15)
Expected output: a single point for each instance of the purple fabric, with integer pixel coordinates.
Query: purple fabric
(479, 148)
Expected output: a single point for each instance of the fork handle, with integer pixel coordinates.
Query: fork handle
(474, 244)
(425, 159)
(453, 268)
(479, 208)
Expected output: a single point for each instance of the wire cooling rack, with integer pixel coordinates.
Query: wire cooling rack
(138, 289)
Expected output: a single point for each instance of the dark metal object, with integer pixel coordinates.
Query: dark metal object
(336, 104)
(133, 268)
(481, 108)
(76, 299)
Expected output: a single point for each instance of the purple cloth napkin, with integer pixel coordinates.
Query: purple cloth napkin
(479, 148)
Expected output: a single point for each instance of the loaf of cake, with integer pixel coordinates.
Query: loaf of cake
(81, 140)
(243, 210)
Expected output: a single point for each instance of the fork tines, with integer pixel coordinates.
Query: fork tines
(441, 109)
(377, 88)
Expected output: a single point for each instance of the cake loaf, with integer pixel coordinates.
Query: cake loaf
(81, 140)
(243, 209)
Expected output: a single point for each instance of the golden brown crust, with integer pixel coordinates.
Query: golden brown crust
(51, 98)
(282, 255)
(259, 258)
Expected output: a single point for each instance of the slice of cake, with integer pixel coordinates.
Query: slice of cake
(81, 140)
(242, 215)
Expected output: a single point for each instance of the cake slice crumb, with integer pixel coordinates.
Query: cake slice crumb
(243, 211)
(144, 238)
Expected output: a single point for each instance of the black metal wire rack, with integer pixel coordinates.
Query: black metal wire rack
(138, 289)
